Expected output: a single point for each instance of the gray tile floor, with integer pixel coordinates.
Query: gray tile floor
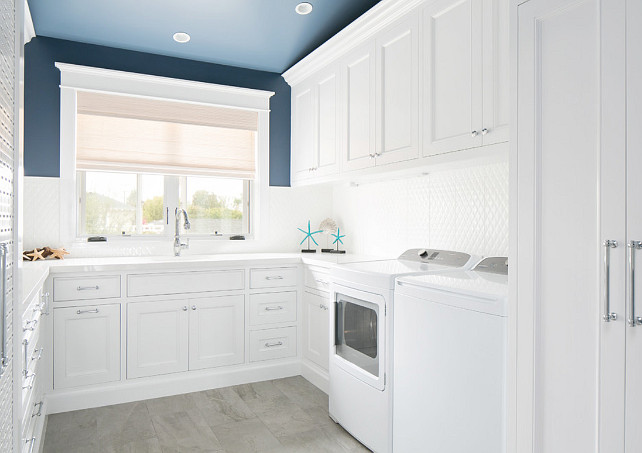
(285, 415)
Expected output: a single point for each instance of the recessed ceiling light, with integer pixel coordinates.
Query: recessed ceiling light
(303, 8)
(181, 37)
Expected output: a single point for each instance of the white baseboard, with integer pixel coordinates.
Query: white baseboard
(167, 385)
(316, 375)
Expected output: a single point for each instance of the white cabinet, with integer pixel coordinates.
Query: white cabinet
(359, 71)
(316, 328)
(216, 331)
(86, 345)
(157, 337)
(397, 106)
(577, 362)
(316, 126)
(178, 335)
(465, 74)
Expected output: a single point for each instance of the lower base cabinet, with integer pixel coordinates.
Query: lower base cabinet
(178, 335)
(316, 324)
(86, 345)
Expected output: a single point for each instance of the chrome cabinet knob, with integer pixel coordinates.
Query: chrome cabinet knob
(193, 307)
(185, 308)
(484, 131)
(474, 134)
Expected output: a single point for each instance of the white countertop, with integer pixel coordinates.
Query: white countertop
(33, 274)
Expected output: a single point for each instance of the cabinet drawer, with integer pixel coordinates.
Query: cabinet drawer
(184, 282)
(273, 278)
(83, 288)
(316, 277)
(271, 308)
(272, 344)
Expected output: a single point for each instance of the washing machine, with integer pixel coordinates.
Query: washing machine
(450, 361)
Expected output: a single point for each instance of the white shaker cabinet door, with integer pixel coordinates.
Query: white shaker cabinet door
(398, 92)
(452, 68)
(316, 344)
(633, 401)
(86, 345)
(216, 331)
(496, 72)
(558, 209)
(303, 132)
(156, 337)
(359, 69)
(328, 140)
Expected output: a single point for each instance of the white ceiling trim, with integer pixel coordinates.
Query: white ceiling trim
(133, 84)
(380, 16)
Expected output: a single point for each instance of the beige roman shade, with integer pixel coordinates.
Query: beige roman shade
(126, 133)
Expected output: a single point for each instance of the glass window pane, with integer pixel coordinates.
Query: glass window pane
(153, 208)
(110, 203)
(214, 205)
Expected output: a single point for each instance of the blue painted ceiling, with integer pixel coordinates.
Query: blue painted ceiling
(258, 34)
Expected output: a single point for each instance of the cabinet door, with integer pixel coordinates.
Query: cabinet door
(633, 401)
(398, 93)
(496, 71)
(452, 75)
(216, 331)
(86, 345)
(360, 108)
(316, 344)
(156, 337)
(558, 203)
(302, 132)
(328, 140)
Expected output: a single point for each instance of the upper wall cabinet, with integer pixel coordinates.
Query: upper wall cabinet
(316, 126)
(465, 66)
(397, 109)
(359, 70)
(407, 81)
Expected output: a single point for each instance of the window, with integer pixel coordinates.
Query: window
(116, 203)
(138, 159)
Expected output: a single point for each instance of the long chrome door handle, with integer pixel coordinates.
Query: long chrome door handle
(606, 296)
(4, 360)
(632, 319)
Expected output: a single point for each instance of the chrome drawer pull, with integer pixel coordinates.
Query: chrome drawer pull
(82, 312)
(633, 320)
(323, 282)
(31, 442)
(323, 307)
(271, 345)
(273, 308)
(44, 304)
(88, 288)
(39, 406)
(275, 277)
(38, 351)
(29, 378)
(606, 296)
(25, 345)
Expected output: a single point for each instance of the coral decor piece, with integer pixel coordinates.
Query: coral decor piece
(44, 253)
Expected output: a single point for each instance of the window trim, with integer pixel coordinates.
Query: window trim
(75, 77)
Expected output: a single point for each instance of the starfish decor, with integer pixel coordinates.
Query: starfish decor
(337, 240)
(309, 235)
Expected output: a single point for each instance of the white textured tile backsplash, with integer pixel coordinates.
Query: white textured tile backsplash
(464, 209)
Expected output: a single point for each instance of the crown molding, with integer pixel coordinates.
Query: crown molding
(134, 84)
(380, 16)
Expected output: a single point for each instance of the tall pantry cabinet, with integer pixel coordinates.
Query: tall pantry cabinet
(576, 225)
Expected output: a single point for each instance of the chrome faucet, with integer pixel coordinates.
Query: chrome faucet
(178, 245)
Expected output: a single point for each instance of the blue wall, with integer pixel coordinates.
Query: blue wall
(42, 96)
